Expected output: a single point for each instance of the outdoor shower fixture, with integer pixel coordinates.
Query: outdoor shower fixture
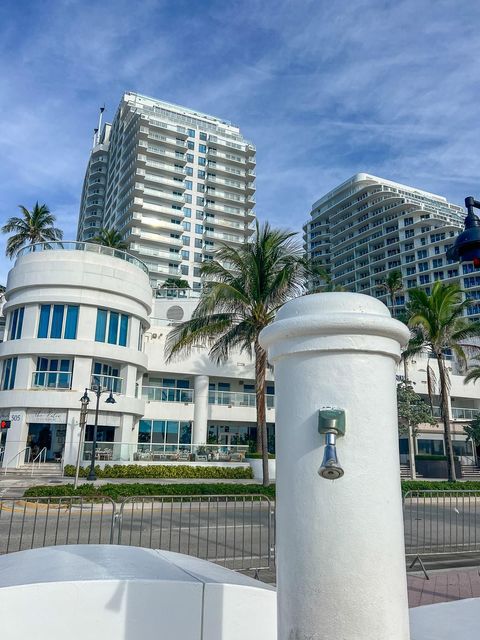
(331, 422)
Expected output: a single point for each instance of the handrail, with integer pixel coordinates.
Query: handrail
(39, 458)
(16, 456)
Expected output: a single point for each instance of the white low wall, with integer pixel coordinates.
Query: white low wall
(126, 593)
(256, 464)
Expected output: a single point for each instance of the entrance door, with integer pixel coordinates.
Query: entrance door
(50, 437)
(226, 439)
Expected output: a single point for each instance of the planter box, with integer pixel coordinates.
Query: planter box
(256, 464)
(436, 468)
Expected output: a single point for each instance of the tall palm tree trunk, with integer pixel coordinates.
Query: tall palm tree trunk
(260, 377)
(446, 417)
(411, 438)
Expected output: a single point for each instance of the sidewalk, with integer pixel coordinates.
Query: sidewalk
(443, 586)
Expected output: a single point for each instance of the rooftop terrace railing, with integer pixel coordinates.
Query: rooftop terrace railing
(83, 246)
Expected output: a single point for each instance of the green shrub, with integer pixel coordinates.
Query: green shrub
(256, 456)
(163, 471)
(119, 491)
(442, 485)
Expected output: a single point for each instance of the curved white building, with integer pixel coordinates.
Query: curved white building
(75, 317)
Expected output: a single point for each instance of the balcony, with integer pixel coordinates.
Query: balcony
(59, 380)
(238, 399)
(167, 394)
(107, 383)
(224, 237)
(458, 413)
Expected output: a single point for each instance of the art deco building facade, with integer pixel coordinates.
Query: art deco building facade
(368, 226)
(174, 182)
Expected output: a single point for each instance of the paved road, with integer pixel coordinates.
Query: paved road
(237, 533)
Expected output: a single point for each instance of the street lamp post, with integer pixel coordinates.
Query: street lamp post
(82, 424)
(467, 244)
(96, 389)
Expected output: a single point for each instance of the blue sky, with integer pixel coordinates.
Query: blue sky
(323, 88)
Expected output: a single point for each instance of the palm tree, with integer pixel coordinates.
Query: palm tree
(392, 284)
(175, 283)
(441, 329)
(238, 302)
(34, 226)
(324, 281)
(110, 238)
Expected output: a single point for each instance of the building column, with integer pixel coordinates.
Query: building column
(200, 410)
(340, 546)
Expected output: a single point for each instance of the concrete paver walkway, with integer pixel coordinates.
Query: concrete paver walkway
(443, 586)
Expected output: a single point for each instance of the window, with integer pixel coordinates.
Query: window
(437, 262)
(8, 373)
(185, 254)
(198, 243)
(407, 221)
(53, 373)
(189, 157)
(203, 136)
(196, 272)
(423, 266)
(200, 201)
(55, 323)
(184, 269)
(197, 257)
(199, 228)
(191, 133)
(201, 173)
(164, 432)
(422, 254)
(202, 161)
(199, 215)
(186, 225)
(117, 332)
(188, 184)
(191, 144)
(430, 447)
(185, 241)
(187, 212)
(424, 279)
(187, 197)
(188, 171)
(409, 233)
(16, 324)
(202, 148)
(107, 375)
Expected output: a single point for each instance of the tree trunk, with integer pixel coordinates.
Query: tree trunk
(411, 438)
(260, 376)
(446, 417)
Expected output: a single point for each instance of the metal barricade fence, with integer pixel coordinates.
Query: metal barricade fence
(50, 521)
(441, 522)
(237, 531)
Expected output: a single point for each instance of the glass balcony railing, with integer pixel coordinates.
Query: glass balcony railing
(164, 452)
(458, 413)
(167, 394)
(107, 383)
(238, 399)
(52, 380)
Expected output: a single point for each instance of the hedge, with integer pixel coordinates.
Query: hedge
(118, 491)
(256, 456)
(162, 471)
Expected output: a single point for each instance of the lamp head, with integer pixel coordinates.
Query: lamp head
(85, 399)
(110, 399)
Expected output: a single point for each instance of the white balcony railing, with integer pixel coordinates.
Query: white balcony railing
(458, 413)
(52, 380)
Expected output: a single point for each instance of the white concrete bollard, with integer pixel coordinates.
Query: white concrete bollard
(340, 548)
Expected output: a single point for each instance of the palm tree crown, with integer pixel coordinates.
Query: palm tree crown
(392, 284)
(34, 226)
(441, 328)
(110, 238)
(244, 287)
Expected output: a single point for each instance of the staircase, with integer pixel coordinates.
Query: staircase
(42, 470)
(405, 472)
(470, 472)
